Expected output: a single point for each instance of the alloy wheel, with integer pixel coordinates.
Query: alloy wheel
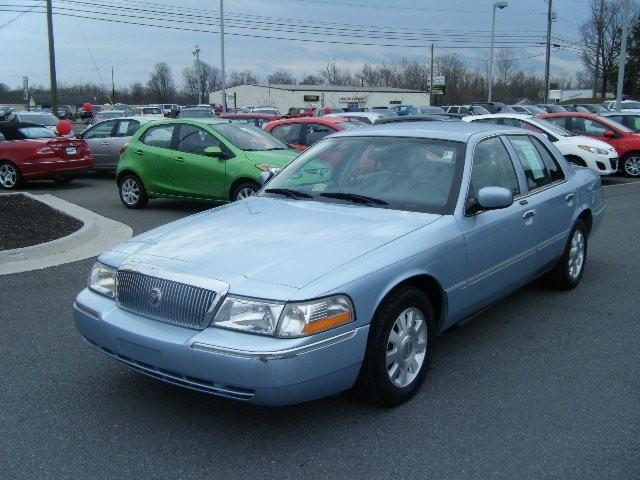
(130, 191)
(632, 166)
(245, 192)
(406, 347)
(576, 254)
(8, 175)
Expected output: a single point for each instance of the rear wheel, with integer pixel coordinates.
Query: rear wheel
(10, 177)
(132, 192)
(244, 190)
(568, 272)
(631, 165)
(399, 348)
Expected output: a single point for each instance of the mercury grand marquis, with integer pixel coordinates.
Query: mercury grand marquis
(346, 265)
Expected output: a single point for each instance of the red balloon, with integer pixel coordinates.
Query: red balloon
(87, 107)
(64, 127)
(327, 110)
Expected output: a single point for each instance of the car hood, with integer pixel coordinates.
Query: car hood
(283, 242)
(278, 158)
(587, 141)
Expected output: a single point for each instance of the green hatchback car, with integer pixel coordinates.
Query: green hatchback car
(204, 159)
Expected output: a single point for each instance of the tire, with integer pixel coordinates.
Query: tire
(569, 270)
(132, 191)
(388, 379)
(10, 177)
(241, 190)
(631, 165)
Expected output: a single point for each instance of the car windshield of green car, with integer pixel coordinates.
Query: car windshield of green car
(249, 137)
(412, 174)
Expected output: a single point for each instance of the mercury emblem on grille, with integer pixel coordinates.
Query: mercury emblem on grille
(155, 297)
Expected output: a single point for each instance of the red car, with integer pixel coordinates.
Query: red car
(258, 119)
(302, 132)
(30, 151)
(624, 140)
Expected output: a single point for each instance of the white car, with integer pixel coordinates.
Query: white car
(626, 105)
(578, 149)
(365, 117)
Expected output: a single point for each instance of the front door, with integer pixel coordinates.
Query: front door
(195, 174)
(501, 244)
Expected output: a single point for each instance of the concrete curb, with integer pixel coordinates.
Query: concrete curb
(96, 235)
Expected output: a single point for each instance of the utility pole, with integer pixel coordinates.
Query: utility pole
(52, 61)
(196, 53)
(113, 88)
(623, 53)
(598, 48)
(224, 79)
(548, 53)
(431, 81)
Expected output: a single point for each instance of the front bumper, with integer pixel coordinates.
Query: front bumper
(271, 372)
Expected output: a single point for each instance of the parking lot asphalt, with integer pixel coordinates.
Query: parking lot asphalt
(545, 384)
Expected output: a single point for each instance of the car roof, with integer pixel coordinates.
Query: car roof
(266, 116)
(325, 120)
(442, 130)
(622, 112)
(569, 114)
(517, 116)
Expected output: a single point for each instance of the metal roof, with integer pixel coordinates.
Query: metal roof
(335, 88)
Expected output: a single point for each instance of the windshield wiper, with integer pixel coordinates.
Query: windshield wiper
(289, 192)
(355, 198)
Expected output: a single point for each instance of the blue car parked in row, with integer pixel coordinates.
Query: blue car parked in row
(346, 265)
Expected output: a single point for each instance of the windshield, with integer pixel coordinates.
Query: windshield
(351, 125)
(249, 137)
(413, 174)
(553, 128)
(479, 110)
(111, 114)
(36, 132)
(631, 104)
(45, 119)
(151, 111)
(196, 114)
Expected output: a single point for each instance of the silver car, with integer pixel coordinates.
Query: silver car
(106, 139)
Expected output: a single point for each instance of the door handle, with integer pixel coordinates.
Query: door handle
(570, 197)
(106, 143)
(528, 214)
(139, 152)
(180, 159)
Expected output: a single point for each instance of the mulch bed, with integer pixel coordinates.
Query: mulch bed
(25, 222)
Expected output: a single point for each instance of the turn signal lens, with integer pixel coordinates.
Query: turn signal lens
(123, 148)
(309, 318)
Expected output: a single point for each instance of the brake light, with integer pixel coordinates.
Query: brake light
(45, 151)
(123, 148)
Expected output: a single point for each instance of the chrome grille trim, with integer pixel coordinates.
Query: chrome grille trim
(182, 299)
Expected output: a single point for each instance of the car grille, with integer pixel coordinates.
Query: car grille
(164, 300)
(614, 163)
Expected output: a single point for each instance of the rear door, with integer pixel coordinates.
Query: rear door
(195, 174)
(155, 156)
(547, 196)
(99, 138)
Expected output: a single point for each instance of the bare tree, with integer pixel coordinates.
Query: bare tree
(311, 79)
(336, 75)
(137, 93)
(600, 37)
(281, 77)
(161, 85)
(245, 77)
(200, 79)
(506, 66)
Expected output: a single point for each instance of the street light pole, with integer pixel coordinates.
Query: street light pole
(623, 53)
(52, 61)
(497, 4)
(224, 80)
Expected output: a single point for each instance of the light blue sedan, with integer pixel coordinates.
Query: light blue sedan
(345, 267)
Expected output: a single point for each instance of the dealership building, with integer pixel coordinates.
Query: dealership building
(284, 97)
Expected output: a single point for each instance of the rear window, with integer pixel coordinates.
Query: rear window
(36, 132)
(45, 119)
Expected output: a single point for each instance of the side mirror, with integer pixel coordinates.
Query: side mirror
(265, 177)
(491, 198)
(610, 134)
(213, 152)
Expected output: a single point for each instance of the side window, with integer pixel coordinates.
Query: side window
(159, 136)
(102, 130)
(492, 167)
(316, 132)
(532, 162)
(593, 128)
(126, 128)
(560, 121)
(195, 140)
(553, 167)
(463, 110)
(289, 133)
(2, 137)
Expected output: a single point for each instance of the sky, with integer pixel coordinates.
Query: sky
(86, 49)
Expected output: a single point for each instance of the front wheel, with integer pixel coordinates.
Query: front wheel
(132, 192)
(399, 348)
(570, 268)
(244, 190)
(631, 165)
(10, 177)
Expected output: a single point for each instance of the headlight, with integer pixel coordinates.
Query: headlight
(302, 319)
(102, 280)
(249, 315)
(263, 167)
(284, 320)
(598, 151)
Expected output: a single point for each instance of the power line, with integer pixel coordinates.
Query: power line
(19, 15)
